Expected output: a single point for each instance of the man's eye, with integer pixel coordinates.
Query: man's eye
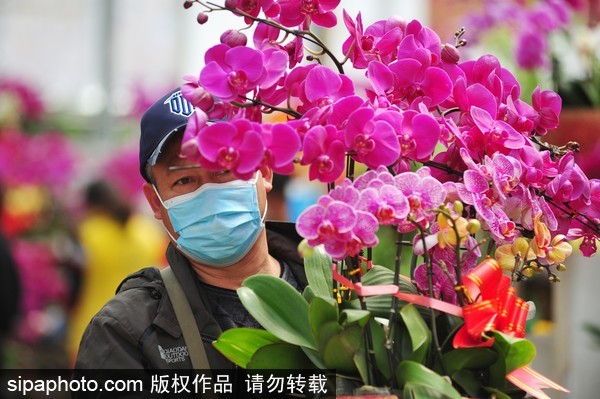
(184, 180)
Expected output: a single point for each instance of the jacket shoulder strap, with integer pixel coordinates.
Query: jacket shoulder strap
(186, 320)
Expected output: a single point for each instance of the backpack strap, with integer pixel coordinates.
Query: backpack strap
(186, 320)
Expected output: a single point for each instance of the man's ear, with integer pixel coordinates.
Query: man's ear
(267, 176)
(153, 200)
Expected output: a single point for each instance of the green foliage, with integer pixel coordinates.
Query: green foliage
(365, 341)
(279, 308)
(419, 382)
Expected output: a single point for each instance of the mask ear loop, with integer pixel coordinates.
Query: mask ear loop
(164, 206)
(159, 197)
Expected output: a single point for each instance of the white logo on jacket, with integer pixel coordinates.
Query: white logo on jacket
(176, 354)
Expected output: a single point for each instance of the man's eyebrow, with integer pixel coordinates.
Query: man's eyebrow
(181, 167)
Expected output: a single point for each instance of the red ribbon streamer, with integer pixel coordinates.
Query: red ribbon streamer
(496, 307)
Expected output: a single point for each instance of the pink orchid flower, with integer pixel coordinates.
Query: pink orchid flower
(324, 150)
(296, 12)
(236, 145)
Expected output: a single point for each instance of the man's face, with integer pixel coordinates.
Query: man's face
(175, 176)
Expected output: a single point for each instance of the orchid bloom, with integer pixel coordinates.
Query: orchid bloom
(550, 249)
(507, 254)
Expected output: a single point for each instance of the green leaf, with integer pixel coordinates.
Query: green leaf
(468, 382)
(412, 391)
(318, 273)
(378, 338)
(321, 311)
(354, 316)
(518, 352)
(240, 344)
(416, 375)
(280, 356)
(314, 357)
(420, 334)
(339, 350)
(308, 294)
(380, 305)
(512, 354)
(325, 333)
(278, 307)
(469, 358)
(497, 393)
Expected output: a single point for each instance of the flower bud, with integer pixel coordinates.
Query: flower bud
(450, 54)
(304, 249)
(231, 3)
(528, 271)
(458, 207)
(233, 38)
(473, 226)
(561, 267)
(188, 3)
(202, 18)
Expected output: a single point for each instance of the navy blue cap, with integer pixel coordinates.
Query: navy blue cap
(165, 117)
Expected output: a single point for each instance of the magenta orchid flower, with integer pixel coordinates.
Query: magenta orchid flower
(548, 105)
(387, 203)
(418, 81)
(379, 42)
(324, 150)
(339, 227)
(296, 12)
(424, 194)
(231, 73)
(236, 145)
(373, 142)
(570, 183)
(282, 144)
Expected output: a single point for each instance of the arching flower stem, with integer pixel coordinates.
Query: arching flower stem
(306, 35)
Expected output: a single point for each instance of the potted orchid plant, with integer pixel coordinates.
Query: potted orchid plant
(444, 151)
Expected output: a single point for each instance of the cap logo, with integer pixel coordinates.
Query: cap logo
(179, 105)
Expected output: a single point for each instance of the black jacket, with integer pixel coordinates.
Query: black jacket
(137, 329)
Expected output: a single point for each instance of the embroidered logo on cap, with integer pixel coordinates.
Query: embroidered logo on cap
(179, 105)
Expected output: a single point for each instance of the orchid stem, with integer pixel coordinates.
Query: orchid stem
(436, 342)
(390, 342)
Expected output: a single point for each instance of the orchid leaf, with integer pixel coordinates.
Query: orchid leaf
(308, 294)
(419, 382)
(279, 356)
(318, 273)
(314, 357)
(518, 352)
(339, 351)
(381, 356)
(468, 382)
(469, 358)
(420, 334)
(326, 332)
(512, 354)
(349, 317)
(240, 344)
(380, 305)
(321, 311)
(278, 307)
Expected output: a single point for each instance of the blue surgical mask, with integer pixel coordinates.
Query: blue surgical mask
(218, 223)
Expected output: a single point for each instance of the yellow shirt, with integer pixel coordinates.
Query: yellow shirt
(112, 252)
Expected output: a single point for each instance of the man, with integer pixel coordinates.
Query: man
(216, 225)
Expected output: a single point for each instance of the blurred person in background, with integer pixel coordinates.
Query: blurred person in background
(10, 290)
(116, 241)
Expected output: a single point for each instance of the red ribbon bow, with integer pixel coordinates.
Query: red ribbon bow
(494, 306)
